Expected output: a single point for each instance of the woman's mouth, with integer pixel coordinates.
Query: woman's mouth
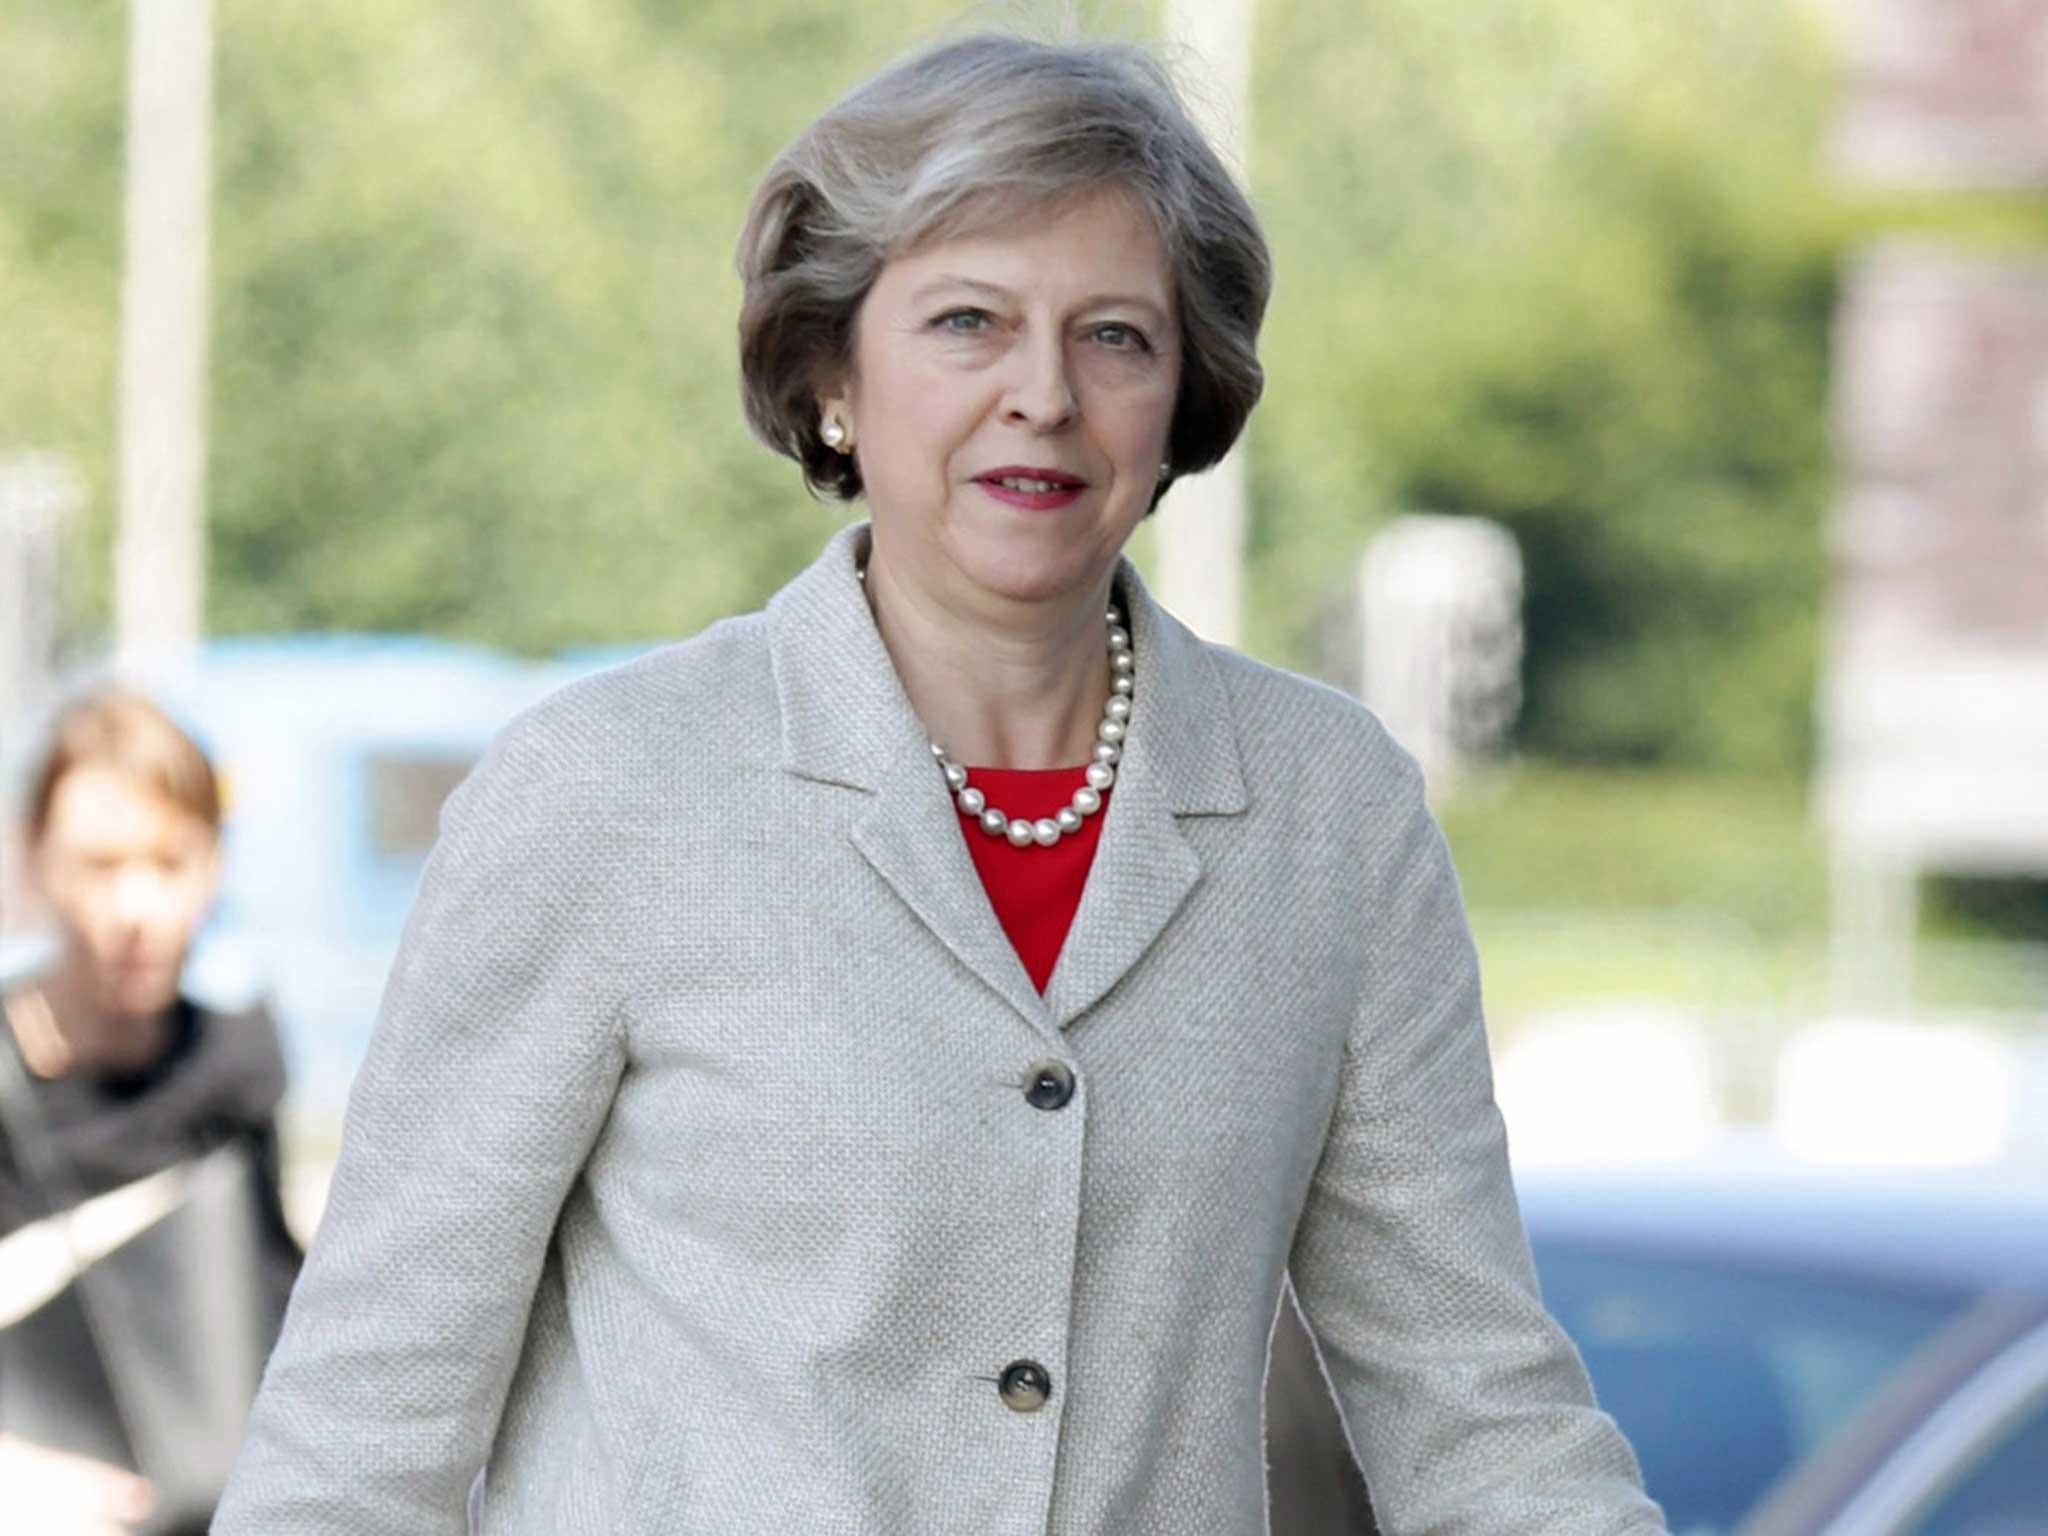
(1033, 488)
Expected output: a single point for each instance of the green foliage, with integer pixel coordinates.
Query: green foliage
(1563, 265)
(1621, 840)
(1709, 890)
(1559, 262)
(475, 313)
(60, 247)
(2010, 906)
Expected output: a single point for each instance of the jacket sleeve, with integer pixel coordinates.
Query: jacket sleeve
(1467, 1406)
(492, 1066)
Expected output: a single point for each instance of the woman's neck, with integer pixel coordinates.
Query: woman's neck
(1022, 692)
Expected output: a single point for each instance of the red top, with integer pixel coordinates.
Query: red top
(1034, 890)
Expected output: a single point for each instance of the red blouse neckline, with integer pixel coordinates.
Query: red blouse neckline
(1034, 891)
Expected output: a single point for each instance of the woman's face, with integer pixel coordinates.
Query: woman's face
(131, 875)
(1044, 351)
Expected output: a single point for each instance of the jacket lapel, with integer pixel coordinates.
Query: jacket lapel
(846, 720)
(911, 834)
(1143, 870)
(1180, 759)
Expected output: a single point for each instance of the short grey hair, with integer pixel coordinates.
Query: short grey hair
(952, 140)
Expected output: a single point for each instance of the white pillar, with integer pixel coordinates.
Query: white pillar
(40, 495)
(1440, 602)
(1200, 529)
(1876, 916)
(159, 562)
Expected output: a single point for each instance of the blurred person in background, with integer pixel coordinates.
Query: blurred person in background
(112, 1077)
(872, 1066)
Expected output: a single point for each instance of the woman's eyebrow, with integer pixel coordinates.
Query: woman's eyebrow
(947, 280)
(944, 281)
(1124, 300)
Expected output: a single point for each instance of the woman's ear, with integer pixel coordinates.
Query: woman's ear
(835, 421)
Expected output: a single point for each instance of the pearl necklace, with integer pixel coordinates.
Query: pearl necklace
(1109, 738)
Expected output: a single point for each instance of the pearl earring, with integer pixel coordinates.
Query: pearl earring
(833, 433)
(1165, 471)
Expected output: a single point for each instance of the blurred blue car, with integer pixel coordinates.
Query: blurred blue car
(1798, 1351)
(1791, 1351)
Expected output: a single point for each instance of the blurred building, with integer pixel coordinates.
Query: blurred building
(1934, 700)
(1945, 93)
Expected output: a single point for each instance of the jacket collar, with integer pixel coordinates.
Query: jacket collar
(846, 720)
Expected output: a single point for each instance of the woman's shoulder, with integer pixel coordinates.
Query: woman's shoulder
(1314, 733)
(611, 728)
(722, 668)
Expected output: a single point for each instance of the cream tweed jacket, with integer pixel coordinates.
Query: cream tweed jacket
(691, 1182)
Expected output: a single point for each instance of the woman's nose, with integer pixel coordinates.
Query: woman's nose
(1042, 397)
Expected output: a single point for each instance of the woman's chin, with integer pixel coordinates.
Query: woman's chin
(1031, 581)
(1034, 564)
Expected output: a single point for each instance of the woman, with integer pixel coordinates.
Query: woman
(113, 1075)
(869, 1068)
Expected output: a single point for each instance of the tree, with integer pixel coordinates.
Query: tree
(1560, 262)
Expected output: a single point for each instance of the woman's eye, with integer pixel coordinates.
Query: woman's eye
(963, 322)
(1122, 338)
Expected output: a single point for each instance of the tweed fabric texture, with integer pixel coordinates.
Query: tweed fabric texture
(690, 1180)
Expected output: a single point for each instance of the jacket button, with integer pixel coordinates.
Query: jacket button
(1048, 1085)
(1025, 1386)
